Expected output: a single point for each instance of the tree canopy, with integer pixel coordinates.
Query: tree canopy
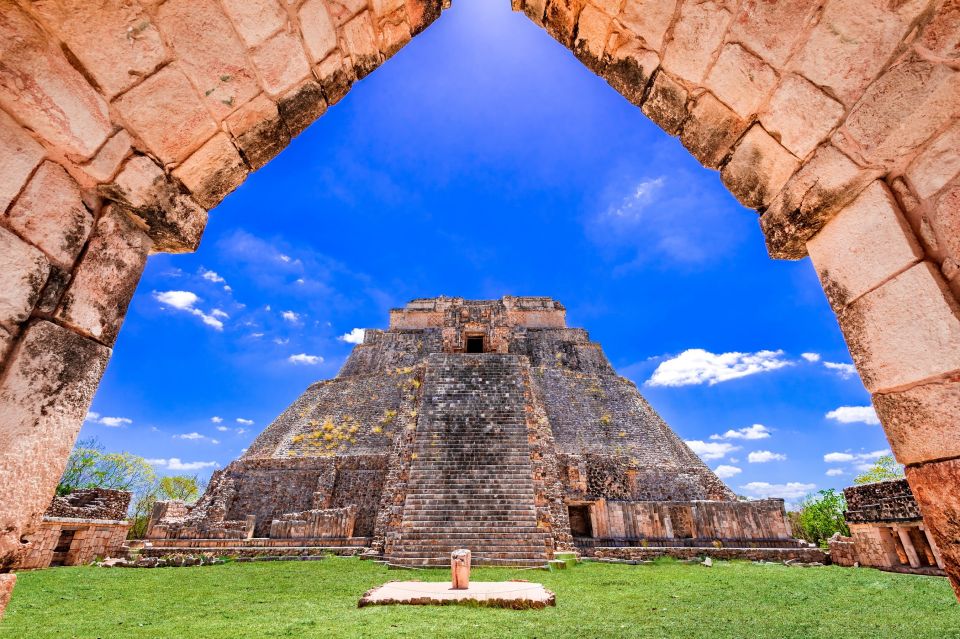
(886, 467)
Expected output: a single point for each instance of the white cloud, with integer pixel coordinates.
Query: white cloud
(838, 458)
(845, 371)
(303, 358)
(355, 336)
(174, 463)
(185, 301)
(196, 437)
(757, 431)
(811, 357)
(211, 276)
(280, 342)
(725, 472)
(631, 207)
(290, 316)
(241, 431)
(764, 456)
(710, 450)
(216, 419)
(834, 472)
(284, 258)
(789, 490)
(841, 458)
(219, 313)
(854, 415)
(698, 366)
(111, 422)
(223, 429)
(91, 416)
(245, 422)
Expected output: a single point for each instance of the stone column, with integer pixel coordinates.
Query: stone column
(933, 547)
(908, 548)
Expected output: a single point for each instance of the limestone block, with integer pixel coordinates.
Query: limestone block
(19, 155)
(115, 41)
(741, 80)
(281, 62)
(909, 103)
(335, 77)
(6, 342)
(209, 52)
(941, 36)
(758, 168)
(937, 164)
(301, 106)
(823, 185)
(108, 159)
(47, 94)
(921, 422)
(695, 38)
(560, 19)
(535, 10)
(342, 10)
(460, 569)
(904, 331)
(319, 32)
(801, 115)
(422, 13)
(852, 42)
(50, 380)
(23, 271)
(941, 509)
(394, 33)
(172, 220)
(213, 171)
(258, 131)
(771, 28)
(167, 115)
(7, 582)
(863, 245)
(255, 20)
(710, 130)
(104, 282)
(647, 19)
(628, 67)
(666, 104)
(592, 30)
(51, 216)
(360, 42)
(946, 221)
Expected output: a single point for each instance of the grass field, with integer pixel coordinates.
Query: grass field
(319, 599)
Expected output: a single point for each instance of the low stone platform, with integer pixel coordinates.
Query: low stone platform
(806, 554)
(518, 595)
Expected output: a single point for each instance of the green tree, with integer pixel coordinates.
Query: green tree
(81, 465)
(90, 467)
(820, 516)
(886, 467)
(180, 487)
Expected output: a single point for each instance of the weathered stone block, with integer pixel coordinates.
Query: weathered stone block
(255, 20)
(695, 38)
(220, 71)
(801, 115)
(360, 43)
(946, 221)
(48, 95)
(213, 171)
(647, 19)
(909, 103)
(23, 270)
(281, 62)
(824, 185)
(115, 41)
(301, 106)
(422, 13)
(937, 164)
(51, 216)
(941, 36)
(535, 10)
(7, 582)
(109, 158)
(560, 19)
(863, 245)
(666, 104)
(628, 68)
(758, 168)
(52, 292)
(50, 381)
(342, 10)
(319, 32)
(335, 77)
(592, 31)
(258, 131)
(19, 154)
(921, 422)
(394, 33)
(741, 80)
(941, 509)
(771, 28)
(852, 42)
(905, 331)
(710, 130)
(167, 115)
(104, 281)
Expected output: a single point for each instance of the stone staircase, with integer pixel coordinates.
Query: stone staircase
(471, 483)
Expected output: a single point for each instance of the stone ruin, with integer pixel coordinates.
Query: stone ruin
(487, 425)
(78, 528)
(886, 531)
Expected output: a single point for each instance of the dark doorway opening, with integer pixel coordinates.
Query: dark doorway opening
(62, 548)
(580, 521)
(475, 343)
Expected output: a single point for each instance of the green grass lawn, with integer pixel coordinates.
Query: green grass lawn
(319, 599)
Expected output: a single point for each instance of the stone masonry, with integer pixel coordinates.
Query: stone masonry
(122, 122)
(488, 425)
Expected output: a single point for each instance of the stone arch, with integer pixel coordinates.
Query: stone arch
(121, 124)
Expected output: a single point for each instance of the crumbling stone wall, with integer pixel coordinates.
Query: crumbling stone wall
(315, 524)
(881, 502)
(91, 503)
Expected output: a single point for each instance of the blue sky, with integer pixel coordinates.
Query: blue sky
(484, 160)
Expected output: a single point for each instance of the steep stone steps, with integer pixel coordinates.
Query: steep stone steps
(470, 483)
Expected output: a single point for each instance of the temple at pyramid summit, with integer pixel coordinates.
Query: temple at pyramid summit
(482, 424)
